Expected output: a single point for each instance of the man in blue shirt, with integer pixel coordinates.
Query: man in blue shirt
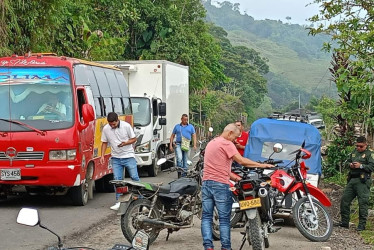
(188, 131)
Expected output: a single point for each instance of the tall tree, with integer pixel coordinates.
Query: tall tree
(350, 24)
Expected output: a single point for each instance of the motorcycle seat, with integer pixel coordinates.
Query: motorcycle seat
(162, 188)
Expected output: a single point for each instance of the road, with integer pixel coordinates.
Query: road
(57, 213)
(98, 227)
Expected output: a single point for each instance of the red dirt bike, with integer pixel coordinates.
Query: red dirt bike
(309, 212)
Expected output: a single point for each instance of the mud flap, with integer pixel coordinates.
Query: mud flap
(251, 213)
(125, 202)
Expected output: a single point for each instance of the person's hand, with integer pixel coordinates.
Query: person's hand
(102, 160)
(355, 164)
(194, 148)
(266, 165)
(171, 147)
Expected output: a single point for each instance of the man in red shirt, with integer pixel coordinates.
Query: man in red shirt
(219, 154)
(241, 141)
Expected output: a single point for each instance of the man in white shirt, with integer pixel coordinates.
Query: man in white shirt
(120, 135)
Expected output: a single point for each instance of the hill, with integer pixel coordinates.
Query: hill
(297, 64)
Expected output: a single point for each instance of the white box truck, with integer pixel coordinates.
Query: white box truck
(159, 92)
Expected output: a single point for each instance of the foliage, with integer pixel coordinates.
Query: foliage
(350, 23)
(337, 154)
(296, 63)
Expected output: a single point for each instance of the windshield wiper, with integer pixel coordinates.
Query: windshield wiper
(24, 125)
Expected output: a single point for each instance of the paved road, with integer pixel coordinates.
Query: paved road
(96, 226)
(58, 214)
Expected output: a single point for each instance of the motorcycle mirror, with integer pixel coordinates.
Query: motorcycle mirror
(28, 217)
(210, 129)
(161, 161)
(140, 240)
(277, 148)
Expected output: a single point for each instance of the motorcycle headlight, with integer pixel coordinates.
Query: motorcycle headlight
(143, 148)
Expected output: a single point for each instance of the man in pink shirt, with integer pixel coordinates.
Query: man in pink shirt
(219, 155)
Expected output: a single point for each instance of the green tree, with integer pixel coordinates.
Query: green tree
(350, 23)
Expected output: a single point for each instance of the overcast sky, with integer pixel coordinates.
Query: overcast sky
(277, 9)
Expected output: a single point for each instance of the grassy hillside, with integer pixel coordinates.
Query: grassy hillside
(297, 64)
(310, 74)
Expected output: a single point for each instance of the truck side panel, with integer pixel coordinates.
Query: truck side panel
(175, 95)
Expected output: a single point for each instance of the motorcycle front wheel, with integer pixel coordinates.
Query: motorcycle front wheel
(129, 220)
(311, 227)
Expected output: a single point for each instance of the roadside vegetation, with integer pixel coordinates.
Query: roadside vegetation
(349, 24)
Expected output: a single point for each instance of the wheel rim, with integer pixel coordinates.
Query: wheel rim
(315, 227)
(141, 209)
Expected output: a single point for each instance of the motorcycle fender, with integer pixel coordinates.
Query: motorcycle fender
(316, 192)
(125, 200)
(251, 213)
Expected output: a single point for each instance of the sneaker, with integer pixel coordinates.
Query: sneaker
(115, 206)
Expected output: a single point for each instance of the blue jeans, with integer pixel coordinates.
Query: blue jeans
(182, 157)
(219, 195)
(119, 164)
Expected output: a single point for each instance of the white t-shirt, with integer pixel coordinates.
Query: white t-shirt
(118, 135)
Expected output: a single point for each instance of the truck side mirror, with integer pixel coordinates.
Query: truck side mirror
(162, 109)
(162, 121)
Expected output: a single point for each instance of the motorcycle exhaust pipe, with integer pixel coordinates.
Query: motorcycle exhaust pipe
(144, 220)
(262, 192)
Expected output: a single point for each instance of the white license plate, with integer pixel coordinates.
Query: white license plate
(10, 174)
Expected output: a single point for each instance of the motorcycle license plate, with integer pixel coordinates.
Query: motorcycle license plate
(247, 204)
(11, 174)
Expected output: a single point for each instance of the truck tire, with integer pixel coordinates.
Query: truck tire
(79, 194)
(103, 186)
(153, 169)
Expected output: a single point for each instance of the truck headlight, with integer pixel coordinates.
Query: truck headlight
(143, 148)
(61, 155)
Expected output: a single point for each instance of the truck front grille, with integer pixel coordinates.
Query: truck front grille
(20, 156)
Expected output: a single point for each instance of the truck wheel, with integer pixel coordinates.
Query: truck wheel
(153, 169)
(108, 188)
(79, 194)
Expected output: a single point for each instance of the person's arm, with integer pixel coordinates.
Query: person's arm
(104, 146)
(171, 142)
(234, 177)
(369, 167)
(194, 141)
(128, 142)
(249, 163)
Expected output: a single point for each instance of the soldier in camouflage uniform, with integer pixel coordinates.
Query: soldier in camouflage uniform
(361, 164)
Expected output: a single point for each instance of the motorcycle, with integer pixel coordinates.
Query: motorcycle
(154, 207)
(309, 212)
(256, 201)
(30, 217)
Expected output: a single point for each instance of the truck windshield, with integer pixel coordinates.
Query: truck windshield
(40, 97)
(142, 111)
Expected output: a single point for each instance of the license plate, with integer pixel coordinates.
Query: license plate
(247, 204)
(11, 174)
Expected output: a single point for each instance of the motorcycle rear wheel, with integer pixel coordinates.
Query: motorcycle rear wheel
(255, 236)
(315, 230)
(129, 223)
